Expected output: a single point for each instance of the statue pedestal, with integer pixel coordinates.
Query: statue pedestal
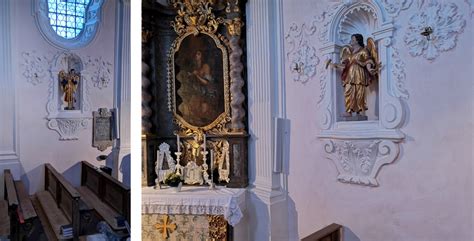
(354, 118)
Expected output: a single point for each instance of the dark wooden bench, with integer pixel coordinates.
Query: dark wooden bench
(11, 198)
(23, 219)
(8, 206)
(60, 205)
(4, 220)
(109, 197)
(333, 232)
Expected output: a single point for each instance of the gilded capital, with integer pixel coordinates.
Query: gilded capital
(234, 26)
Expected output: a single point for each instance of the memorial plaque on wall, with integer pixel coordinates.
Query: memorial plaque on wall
(103, 132)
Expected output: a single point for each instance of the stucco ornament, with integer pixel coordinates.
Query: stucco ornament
(360, 148)
(67, 128)
(100, 71)
(394, 7)
(398, 75)
(67, 122)
(446, 23)
(471, 6)
(301, 55)
(358, 162)
(35, 67)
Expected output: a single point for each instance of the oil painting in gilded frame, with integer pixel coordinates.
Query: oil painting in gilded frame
(200, 81)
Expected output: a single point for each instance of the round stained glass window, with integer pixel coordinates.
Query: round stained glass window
(66, 16)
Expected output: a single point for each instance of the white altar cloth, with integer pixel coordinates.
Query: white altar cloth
(195, 200)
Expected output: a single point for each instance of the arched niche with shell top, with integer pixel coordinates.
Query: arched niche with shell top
(360, 148)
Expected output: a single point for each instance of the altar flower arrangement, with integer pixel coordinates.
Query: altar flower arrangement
(173, 179)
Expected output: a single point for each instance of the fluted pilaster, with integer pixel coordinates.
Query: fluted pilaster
(260, 90)
(123, 90)
(8, 127)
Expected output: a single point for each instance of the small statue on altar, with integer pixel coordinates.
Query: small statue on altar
(360, 67)
(196, 146)
(69, 82)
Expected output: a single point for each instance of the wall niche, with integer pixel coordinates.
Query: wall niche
(68, 102)
(360, 146)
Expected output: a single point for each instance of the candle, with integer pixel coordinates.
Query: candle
(177, 140)
(212, 161)
(204, 142)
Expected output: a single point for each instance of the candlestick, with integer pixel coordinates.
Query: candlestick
(211, 185)
(177, 141)
(212, 163)
(204, 141)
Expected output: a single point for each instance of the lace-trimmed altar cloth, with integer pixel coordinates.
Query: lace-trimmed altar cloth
(195, 200)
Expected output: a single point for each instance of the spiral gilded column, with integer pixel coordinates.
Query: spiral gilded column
(236, 81)
(146, 96)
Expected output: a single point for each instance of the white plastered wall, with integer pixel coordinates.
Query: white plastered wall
(38, 144)
(427, 193)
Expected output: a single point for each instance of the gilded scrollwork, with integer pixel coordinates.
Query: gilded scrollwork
(204, 100)
(234, 26)
(194, 16)
(221, 158)
(217, 227)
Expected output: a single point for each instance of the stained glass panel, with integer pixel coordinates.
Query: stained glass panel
(67, 16)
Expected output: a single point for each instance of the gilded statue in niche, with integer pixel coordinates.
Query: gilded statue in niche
(69, 83)
(360, 67)
(200, 77)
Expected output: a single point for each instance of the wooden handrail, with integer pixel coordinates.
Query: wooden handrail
(333, 232)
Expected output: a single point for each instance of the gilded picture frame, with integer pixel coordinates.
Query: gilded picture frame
(199, 81)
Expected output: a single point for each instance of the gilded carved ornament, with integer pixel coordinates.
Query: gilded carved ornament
(195, 17)
(217, 227)
(234, 26)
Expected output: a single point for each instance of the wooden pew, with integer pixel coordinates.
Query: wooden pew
(333, 232)
(24, 222)
(12, 202)
(61, 205)
(109, 197)
(4, 220)
(30, 226)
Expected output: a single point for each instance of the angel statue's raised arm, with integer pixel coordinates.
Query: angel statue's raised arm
(359, 65)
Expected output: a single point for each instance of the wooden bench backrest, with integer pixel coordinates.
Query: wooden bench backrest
(333, 232)
(66, 196)
(10, 191)
(109, 190)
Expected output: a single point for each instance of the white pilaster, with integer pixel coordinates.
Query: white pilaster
(122, 91)
(9, 153)
(265, 92)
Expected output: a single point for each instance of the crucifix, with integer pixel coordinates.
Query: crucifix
(165, 227)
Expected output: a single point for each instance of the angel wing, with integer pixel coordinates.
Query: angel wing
(372, 48)
(346, 52)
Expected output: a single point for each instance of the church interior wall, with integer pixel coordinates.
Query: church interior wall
(37, 143)
(427, 190)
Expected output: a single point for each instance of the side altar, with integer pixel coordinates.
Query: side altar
(193, 84)
(194, 124)
(194, 213)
